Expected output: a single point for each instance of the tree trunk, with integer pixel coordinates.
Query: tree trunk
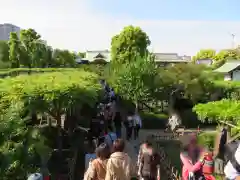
(136, 106)
(60, 144)
(162, 108)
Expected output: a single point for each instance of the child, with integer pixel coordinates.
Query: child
(91, 155)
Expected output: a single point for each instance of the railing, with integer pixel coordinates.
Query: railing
(171, 172)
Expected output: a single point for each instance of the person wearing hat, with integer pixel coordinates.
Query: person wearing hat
(35, 176)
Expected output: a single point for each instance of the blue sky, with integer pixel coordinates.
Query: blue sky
(172, 9)
(172, 25)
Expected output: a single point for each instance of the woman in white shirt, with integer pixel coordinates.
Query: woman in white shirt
(230, 171)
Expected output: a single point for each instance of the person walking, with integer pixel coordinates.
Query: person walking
(118, 124)
(90, 155)
(99, 165)
(142, 149)
(108, 115)
(110, 137)
(137, 124)
(119, 165)
(149, 168)
(129, 129)
(192, 158)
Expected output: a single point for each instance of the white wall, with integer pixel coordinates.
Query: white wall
(236, 75)
(227, 77)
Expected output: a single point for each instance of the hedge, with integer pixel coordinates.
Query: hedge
(51, 93)
(154, 121)
(19, 71)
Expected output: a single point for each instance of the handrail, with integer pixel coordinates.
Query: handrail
(228, 124)
(233, 126)
(171, 171)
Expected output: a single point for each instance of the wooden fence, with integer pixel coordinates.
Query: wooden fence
(166, 165)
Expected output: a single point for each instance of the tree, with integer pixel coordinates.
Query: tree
(134, 80)
(4, 55)
(4, 51)
(225, 110)
(129, 43)
(225, 55)
(30, 40)
(204, 54)
(54, 94)
(63, 58)
(82, 54)
(14, 50)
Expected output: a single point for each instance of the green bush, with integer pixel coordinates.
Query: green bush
(21, 71)
(51, 93)
(154, 121)
(206, 139)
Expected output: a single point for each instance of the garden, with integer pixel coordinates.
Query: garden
(46, 99)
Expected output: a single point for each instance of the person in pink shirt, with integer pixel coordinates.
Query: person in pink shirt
(192, 158)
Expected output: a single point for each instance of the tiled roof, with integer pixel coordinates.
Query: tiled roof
(229, 66)
(91, 55)
(163, 57)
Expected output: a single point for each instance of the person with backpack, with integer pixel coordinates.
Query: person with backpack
(192, 157)
(97, 168)
(232, 155)
(110, 137)
(149, 168)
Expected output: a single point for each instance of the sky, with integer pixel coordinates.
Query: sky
(173, 26)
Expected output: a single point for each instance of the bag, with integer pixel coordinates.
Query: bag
(100, 170)
(230, 150)
(89, 172)
(192, 176)
(110, 137)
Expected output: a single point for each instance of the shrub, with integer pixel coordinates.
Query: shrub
(21, 71)
(53, 94)
(154, 121)
(206, 139)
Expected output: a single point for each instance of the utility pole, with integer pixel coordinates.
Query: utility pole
(233, 40)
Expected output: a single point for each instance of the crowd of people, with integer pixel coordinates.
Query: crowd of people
(114, 163)
(109, 121)
(112, 160)
(108, 158)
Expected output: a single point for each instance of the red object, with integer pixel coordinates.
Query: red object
(46, 178)
(210, 177)
(208, 166)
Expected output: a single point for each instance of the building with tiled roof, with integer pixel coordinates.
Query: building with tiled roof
(231, 70)
(161, 58)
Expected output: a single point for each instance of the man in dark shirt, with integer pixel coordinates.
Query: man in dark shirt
(118, 124)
